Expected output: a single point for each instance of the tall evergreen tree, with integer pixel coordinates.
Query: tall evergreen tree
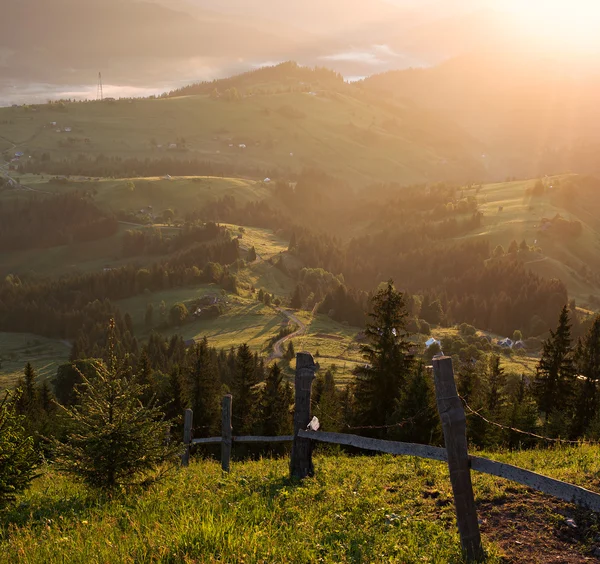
(588, 363)
(27, 403)
(203, 389)
(554, 383)
(328, 405)
(418, 405)
(143, 376)
(245, 392)
(252, 254)
(275, 401)
(379, 382)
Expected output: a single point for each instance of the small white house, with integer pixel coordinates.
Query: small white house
(242, 146)
(53, 123)
(430, 342)
(172, 145)
(68, 130)
(267, 180)
(506, 343)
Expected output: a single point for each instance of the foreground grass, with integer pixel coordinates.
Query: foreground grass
(355, 509)
(365, 510)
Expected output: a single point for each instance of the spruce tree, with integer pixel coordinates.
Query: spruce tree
(27, 400)
(18, 459)
(418, 405)
(588, 363)
(252, 254)
(245, 392)
(144, 377)
(291, 353)
(203, 390)
(275, 401)
(329, 406)
(554, 383)
(379, 382)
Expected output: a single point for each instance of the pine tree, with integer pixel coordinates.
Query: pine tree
(276, 398)
(588, 362)
(380, 381)
(18, 459)
(245, 392)
(252, 254)
(555, 377)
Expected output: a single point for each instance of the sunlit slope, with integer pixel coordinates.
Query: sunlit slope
(512, 212)
(344, 133)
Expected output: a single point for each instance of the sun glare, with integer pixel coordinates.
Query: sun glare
(574, 23)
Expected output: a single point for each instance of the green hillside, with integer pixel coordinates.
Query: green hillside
(355, 509)
(346, 133)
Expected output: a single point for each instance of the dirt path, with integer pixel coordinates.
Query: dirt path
(277, 347)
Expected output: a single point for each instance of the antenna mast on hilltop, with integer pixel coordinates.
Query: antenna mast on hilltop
(99, 94)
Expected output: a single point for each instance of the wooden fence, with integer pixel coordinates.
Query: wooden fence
(460, 463)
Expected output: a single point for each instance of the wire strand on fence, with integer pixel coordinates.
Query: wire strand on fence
(515, 430)
(390, 426)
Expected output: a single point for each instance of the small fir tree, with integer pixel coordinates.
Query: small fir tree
(113, 439)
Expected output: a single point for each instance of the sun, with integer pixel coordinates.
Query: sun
(574, 23)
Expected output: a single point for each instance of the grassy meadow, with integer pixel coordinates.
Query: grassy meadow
(355, 509)
(17, 349)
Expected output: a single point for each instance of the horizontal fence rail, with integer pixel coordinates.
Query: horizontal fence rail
(550, 486)
(378, 445)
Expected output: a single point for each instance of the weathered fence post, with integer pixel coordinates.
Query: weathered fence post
(454, 424)
(226, 432)
(301, 462)
(187, 436)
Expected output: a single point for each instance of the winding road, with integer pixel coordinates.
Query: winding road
(278, 346)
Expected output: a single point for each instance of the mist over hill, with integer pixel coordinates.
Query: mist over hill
(534, 113)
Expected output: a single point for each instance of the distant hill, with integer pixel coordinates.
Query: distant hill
(279, 120)
(285, 75)
(533, 113)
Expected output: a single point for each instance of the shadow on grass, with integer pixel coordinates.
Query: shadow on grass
(44, 510)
